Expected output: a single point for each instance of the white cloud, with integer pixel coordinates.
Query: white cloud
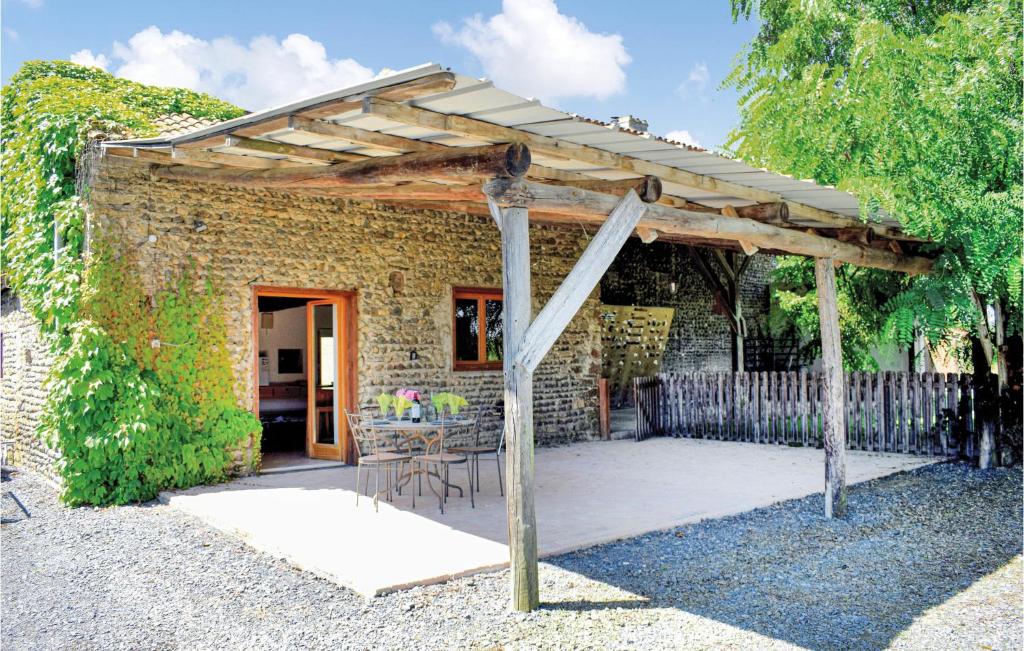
(87, 58)
(684, 137)
(11, 35)
(32, 4)
(698, 75)
(532, 49)
(696, 82)
(266, 72)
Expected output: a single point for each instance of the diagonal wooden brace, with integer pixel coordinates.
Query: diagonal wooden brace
(576, 287)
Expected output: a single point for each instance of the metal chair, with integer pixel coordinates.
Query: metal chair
(370, 454)
(443, 460)
(475, 451)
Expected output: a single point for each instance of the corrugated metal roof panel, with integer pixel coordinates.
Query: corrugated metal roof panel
(561, 128)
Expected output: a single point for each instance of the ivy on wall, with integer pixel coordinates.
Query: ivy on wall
(128, 416)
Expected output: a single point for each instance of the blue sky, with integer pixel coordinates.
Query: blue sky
(663, 61)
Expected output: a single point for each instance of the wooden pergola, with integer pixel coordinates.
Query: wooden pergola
(413, 140)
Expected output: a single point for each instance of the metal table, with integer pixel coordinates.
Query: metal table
(424, 437)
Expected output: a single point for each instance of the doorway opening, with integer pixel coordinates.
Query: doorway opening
(304, 343)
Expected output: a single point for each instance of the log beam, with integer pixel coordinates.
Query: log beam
(752, 235)
(458, 164)
(834, 407)
(647, 188)
(775, 212)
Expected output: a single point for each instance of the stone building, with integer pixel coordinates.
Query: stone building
(393, 279)
(403, 266)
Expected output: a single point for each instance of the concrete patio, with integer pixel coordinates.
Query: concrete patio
(586, 494)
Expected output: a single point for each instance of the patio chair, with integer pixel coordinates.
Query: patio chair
(370, 454)
(477, 450)
(442, 460)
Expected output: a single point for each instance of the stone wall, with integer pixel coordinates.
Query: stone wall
(296, 240)
(699, 339)
(25, 364)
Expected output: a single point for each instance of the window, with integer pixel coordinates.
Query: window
(476, 348)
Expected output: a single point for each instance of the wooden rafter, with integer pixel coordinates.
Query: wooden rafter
(311, 154)
(437, 82)
(373, 139)
(155, 156)
(232, 160)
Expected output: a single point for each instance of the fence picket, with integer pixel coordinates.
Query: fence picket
(967, 412)
(801, 411)
(941, 412)
(903, 414)
(953, 410)
(853, 423)
(929, 411)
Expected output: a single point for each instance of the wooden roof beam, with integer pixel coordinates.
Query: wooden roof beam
(373, 139)
(450, 165)
(647, 189)
(231, 160)
(154, 156)
(592, 206)
(477, 129)
(310, 154)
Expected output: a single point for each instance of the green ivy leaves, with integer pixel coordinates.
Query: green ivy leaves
(128, 420)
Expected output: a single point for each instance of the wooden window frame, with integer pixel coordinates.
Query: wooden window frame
(482, 295)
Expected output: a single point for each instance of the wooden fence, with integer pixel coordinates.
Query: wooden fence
(919, 413)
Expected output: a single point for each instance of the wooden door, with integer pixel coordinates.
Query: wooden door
(327, 378)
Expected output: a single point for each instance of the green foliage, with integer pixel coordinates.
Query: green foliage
(384, 401)
(916, 109)
(861, 294)
(128, 418)
(452, 401)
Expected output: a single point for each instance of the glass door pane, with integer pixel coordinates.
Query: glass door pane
(323, 371)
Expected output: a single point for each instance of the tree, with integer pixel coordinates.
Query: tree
(915, 107)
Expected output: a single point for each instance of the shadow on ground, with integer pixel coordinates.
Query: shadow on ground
(910, 542)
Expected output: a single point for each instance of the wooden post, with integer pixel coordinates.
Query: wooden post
(739, 334)
(832, 372)
(522, 520)
(604, 409)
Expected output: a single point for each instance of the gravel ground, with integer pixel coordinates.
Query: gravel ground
(928, 559)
